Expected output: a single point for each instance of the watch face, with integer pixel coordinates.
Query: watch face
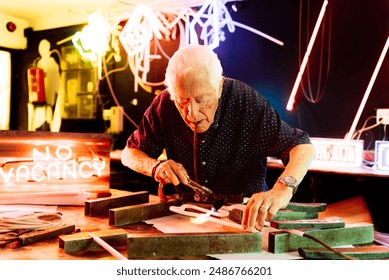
(290, 180)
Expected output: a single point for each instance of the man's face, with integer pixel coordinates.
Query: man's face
(198, 106)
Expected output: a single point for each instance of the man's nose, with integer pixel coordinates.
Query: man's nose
(193, 111)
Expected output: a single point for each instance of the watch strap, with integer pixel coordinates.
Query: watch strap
(290, 182)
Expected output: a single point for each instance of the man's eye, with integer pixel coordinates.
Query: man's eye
(201, 101)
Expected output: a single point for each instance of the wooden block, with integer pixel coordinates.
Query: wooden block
(363, 253)
(192, 244)
(83, 241)
(306, 207)
(137, 213)
(45, 234)
(351, 234)
(101, 206)
(334, 222)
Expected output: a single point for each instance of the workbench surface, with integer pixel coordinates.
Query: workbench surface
(75, 215)
(50, 250)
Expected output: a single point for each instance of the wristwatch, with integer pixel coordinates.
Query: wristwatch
(289, 182)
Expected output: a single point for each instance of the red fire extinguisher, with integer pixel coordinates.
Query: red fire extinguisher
(36, 85)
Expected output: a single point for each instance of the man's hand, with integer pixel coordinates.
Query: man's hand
(264, 206)
(171, 172)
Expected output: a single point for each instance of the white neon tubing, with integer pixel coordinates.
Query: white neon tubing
(274, 40)
(349, 135)
(292, 96)
(196, 19)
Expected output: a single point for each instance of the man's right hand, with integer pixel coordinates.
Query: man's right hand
(171, 172)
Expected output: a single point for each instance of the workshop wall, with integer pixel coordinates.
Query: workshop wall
(341, 64)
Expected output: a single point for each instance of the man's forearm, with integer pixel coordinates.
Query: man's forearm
(300, 159)
(137, 161)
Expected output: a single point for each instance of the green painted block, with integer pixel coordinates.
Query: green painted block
(361, 253)
(73, 243)
(306, 207)
(351, 234)
(294, 215)
(334, 222)
(237, 215)
(100, 206)
(136, 213)
(192, 244)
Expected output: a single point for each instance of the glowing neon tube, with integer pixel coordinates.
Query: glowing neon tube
(349, 135)
(292, 97)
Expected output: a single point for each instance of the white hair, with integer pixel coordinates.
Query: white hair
(193, 64)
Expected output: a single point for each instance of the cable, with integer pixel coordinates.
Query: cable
(364, 128)
(328, 247)
(310, 97)
(34, 221)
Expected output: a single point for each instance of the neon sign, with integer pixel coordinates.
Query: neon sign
(60, 168)
(337, 152)
(46, 161)
(382, 155)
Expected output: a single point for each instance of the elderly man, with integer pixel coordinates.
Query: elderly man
(219, 132)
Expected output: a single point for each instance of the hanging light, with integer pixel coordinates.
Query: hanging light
(93, 40)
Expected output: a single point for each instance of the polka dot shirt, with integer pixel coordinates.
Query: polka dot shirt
(232, 153)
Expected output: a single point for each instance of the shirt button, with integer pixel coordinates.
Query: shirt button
(203, 163)
(206, 181)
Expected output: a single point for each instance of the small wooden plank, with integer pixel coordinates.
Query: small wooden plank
(81, 241)
(192, 244)
(45, 234)
(141, 212)
(333, 222)
(101, 206)
(306, 207)
(351, 234)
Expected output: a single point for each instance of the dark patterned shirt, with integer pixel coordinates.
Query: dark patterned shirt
(232, 153)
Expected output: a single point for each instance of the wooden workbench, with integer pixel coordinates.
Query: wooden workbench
(50, 250)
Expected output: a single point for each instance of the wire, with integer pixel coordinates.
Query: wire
(34, 221)
(347, 257)
(320, 91)
(364, 128)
